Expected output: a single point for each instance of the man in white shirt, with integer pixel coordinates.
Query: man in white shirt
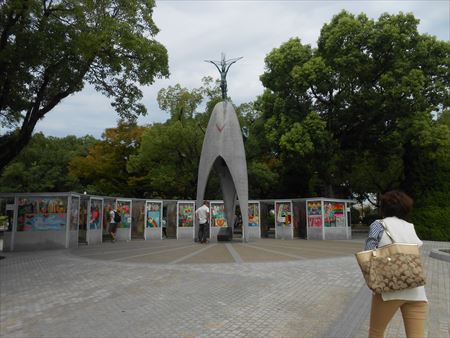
(202, 214)
(112, 224)
(164, 227)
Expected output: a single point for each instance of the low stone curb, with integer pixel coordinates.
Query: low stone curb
(438, 254)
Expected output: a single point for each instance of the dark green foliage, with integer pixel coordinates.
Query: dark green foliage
(51, 49)
(356, 116)
(432, 221)
(103, 170)
(43, 165)
(166, 163)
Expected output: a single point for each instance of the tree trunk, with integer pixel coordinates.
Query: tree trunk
(11, 145)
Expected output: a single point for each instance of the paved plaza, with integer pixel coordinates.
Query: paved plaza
(169, 288)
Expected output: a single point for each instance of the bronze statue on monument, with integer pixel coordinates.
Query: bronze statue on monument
(223, 66)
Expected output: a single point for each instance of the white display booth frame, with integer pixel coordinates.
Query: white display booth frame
(186, 232)
(213, 230)
(124, 234)
(255, 232)
(328, 233)
(107, 201)
(94, 236)
(39, 240)
(284, 231)
(72, 235)
(153, 233)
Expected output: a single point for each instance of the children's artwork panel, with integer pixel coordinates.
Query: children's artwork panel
(186, 214)
(253, 214)
(42, 214)
(153, 217)
(124, 208)
(334, 214)
(95, 221)
(283, 212)
(218, 218)
(314, 214)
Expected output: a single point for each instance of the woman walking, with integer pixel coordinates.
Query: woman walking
(395, 207)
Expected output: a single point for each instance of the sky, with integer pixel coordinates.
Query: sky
(194, 31)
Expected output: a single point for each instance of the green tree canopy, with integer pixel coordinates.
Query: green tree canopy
(43, 165)
(103, 170)
(166, 164)
(367, 80)
(359, 111)
(51, 49)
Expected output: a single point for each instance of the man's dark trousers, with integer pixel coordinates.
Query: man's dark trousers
(202, 232)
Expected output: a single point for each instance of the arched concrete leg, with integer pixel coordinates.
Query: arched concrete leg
(223, 138)
(228, 189)
(239, 178)
(205, 168)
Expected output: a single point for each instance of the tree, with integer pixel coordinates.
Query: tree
(181, 103)
(50, 49)
(429, 146)
(43, 165)
(296, 138)
(378, 85)
(166, 163)
(367, 80)
(103, 170)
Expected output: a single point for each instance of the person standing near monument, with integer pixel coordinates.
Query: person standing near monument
(202, 214)
(114, 219)
(164, 227)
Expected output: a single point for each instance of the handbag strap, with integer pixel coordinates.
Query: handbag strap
(386, 230)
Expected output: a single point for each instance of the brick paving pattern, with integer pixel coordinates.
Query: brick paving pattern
(266, 288)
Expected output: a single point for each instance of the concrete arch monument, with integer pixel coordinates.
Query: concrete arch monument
(223, 150)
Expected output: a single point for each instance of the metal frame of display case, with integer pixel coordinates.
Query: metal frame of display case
(259, 217)
(67, 236)
(148, 232)
(32, 240)
(289, 227)
(94, 236)
(214, 230)
(341, 232)
(178, 217)
(121, 234)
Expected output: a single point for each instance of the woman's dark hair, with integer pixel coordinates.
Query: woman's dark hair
(395, 203)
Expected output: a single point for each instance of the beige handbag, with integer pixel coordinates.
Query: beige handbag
(392, 267)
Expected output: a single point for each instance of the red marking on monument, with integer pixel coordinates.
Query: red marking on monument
(220, 129)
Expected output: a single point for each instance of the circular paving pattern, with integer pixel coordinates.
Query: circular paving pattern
(187, 252)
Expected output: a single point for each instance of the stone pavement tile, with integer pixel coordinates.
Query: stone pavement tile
(214, 254)
(146, 251)
(57, 294)
(312, 249)
(254, 253)
(162, 256)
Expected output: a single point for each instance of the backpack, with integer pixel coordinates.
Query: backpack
(117, 217)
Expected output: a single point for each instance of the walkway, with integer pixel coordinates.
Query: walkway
(267, 288)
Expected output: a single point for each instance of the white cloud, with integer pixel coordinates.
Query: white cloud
(194, 31)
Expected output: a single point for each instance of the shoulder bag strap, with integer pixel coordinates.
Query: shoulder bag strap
(386, 230)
